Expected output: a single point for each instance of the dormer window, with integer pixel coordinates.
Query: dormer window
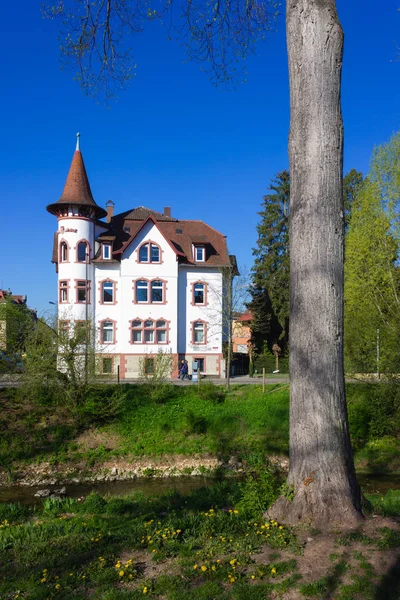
(149, 253)
(199, 253)
(107, 251)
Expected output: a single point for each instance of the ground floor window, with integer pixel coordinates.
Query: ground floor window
(107, 365)
(200, 364)
(149, 365)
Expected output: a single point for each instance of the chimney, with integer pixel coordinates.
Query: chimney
(110, 210)
(167, 211)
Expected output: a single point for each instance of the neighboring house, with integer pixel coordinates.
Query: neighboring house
(15, 321)
(146, 281)
(241, 333)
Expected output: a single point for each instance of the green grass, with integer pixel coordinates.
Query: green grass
(192, 420)
(106, 548)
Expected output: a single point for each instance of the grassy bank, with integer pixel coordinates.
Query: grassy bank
(213, 543)
(136, 421)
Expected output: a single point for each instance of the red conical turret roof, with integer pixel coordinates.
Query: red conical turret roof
(77, 188)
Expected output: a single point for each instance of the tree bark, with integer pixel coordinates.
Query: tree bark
(322, 474)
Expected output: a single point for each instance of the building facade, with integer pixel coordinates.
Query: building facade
(144, 282)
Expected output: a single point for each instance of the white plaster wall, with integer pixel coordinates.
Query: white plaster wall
(132, 270)
(73, 270)
(210, 313)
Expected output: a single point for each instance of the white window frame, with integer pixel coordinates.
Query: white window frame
(107, 251)
(203, 253)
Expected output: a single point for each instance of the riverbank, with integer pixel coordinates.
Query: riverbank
(174, 431)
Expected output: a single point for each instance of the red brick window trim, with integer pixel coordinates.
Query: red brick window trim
(199, 293)
(82, 287)
(63, 291)
(108, 291)
(150, 291)
(149, 331)
(199, 332)
(64, 252)
(108, 329)
(150, 252)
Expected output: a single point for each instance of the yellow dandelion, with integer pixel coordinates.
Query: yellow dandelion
(121, 573)
(253, 576)
(58, 586)
(194, 566)
(273, 571)
(203, 568)
(145, 590)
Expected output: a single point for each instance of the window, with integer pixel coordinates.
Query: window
(107, 366)
(141, 291)
(82, 292)
(136, 332)
(200, 364)
(199, 253)
(149, 331)
(198, 332)
(63, 291)
(148, 366)
(149, 253)
(107, 292)
(157, 291)
(63, 329)
(82, 251)
(127, 228)
(161, 332)
(198, 293)
(107, 251)
(63, 252)
(82, 331)
(107, 332)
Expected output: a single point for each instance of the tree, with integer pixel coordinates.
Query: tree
(270, 273)
(321, 472)
(352, 183)
(371, 287)
(372, 277)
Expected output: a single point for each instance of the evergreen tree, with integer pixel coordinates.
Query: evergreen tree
(270, 273)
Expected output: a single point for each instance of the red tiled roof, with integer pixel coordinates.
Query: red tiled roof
(77, 188)
(181, 235)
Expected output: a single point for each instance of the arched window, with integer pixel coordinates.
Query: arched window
(63, 252)
(149, 331)
(149, 252)
(81, 252)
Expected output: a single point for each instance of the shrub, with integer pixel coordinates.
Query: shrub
(210, 391)
(196, 423)
(268, 362)
(259, 489)
(101, 404)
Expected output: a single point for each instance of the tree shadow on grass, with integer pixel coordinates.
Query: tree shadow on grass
(389, 587)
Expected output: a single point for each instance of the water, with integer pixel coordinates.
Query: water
(370, 483)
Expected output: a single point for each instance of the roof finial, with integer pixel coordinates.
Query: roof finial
(78, 135)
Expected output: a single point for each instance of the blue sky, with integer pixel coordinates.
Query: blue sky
(173, 139)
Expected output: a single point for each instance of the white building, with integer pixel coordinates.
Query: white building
(145, 281)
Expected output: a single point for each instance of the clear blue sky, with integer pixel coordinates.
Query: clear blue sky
(172, 139)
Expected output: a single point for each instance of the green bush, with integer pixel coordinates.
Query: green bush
(101, 404)
(267, 361)
(209, 391)
(196, 423)
(259, 489)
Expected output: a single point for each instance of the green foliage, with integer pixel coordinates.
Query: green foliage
(388, 505)
(101, 404)
(268, 362)
(270, 273)
(352, 183)
(211, 392)
(154, 371)
(259, 489)
(371, 271)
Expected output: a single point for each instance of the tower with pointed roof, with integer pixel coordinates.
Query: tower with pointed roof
(145, 281)
(76, 212)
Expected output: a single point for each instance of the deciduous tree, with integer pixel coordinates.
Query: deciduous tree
(322, 473)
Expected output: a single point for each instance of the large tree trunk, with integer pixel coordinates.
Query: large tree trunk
(322, 473)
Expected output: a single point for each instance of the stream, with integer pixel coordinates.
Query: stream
(370, 483)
